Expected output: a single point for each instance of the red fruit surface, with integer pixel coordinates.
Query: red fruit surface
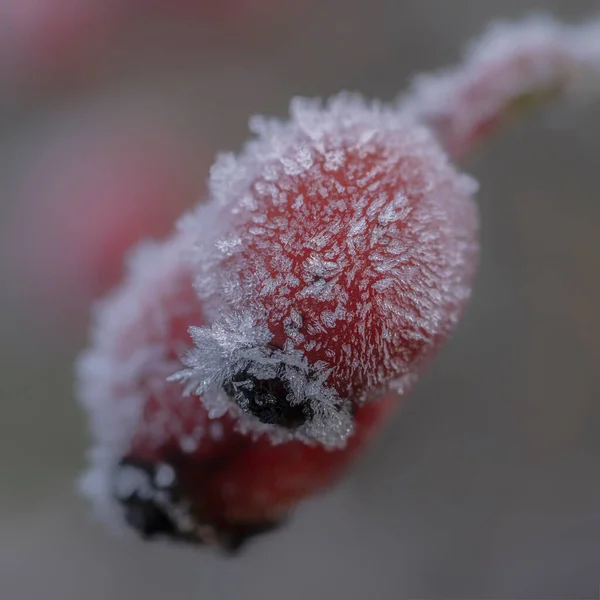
(347, 236)
(333, 258)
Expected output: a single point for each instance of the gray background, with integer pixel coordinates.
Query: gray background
(486, 485)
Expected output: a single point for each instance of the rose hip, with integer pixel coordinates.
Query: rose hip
(333, 258)
(244, 363)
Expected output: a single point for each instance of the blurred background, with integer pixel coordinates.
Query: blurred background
(486, 485)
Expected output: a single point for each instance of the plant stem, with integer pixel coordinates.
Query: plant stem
(511, 70)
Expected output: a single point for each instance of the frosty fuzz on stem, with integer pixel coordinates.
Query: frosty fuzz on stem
(244, 362)
(512, 67)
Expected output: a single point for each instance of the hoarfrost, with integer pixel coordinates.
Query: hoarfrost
(235, 345)
(129, 360)
(359, 201)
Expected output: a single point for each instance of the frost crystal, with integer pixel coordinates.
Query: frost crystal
(233, 355)
(123, 354)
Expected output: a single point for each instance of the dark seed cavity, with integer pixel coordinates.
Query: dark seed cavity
(151, 505)
(155, 508)
(148, 519)
(269, 400)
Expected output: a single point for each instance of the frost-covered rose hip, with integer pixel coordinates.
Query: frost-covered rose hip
(338, 254)
(244, 362)
(333, 258)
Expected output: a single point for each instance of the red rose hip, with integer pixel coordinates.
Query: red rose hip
(333, 258)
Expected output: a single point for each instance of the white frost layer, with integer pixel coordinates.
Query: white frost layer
(129, 345)
(508, 61)
(237, 344)
(375, 255)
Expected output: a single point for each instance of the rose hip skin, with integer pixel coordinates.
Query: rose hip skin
(333, 258)
(371, 322)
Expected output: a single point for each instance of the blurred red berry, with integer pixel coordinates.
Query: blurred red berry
(334, 257)
(87, 196)
(43, 39)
